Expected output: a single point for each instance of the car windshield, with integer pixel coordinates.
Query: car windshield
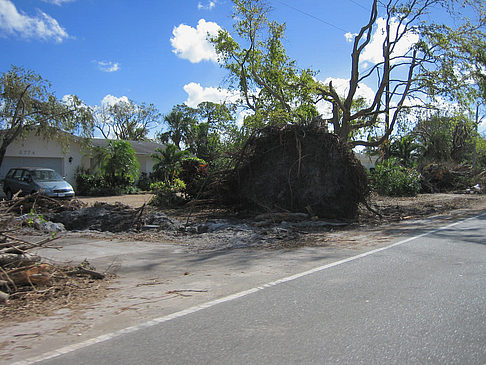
(45, 175)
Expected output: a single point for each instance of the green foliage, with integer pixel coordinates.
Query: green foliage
(127, 120)
(167, 163)
(144, 182)
(194, 174)
(33, 218)
(392, 179)
(119, 166)
(27, 103)
(89, 185)
(206, 131)
(445, 138)
(405, 150)
(179, 123)
(168, 193)
(270, 83)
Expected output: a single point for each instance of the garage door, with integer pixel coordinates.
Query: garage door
(51, 163)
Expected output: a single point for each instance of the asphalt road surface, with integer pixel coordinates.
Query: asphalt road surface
(422, 301)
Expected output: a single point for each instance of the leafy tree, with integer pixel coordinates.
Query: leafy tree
(270, 83)
(27, 103)
(442, 62)
(405, 150)
(445, 138)
(179, 122)
(168, 162)
(119, 166)
(214, 128)
(126, 120)
(203, 131)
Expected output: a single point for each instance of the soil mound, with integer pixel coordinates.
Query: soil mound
(299, 169)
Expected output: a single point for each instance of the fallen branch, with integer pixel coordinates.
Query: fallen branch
(81, 270)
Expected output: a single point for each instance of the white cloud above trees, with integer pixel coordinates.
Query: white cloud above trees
(197, 94)
(110, 100)
(41, 26)
(192, 43)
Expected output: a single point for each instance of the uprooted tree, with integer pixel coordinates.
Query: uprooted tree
(419, 61)
(26, 103)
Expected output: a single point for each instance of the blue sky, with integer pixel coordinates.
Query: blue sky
(154, 51)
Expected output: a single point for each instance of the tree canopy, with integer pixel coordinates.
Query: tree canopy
(27, 103)
(419, 63)
(126, 120)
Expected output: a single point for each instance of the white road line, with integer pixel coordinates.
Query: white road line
(153, 322)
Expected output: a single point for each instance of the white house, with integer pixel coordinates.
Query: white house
(36, 151)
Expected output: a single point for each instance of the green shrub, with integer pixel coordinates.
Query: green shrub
(144, 182)
(194, 174)
(168, 194)
(391, 179)
(90, 185)
(120, 167)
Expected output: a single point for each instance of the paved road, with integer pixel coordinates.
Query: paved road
(419, 302)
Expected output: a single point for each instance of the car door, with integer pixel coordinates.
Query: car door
(26, 182)
(14, 181)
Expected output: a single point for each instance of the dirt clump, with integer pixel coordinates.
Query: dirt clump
(115, 218)
(299, 169)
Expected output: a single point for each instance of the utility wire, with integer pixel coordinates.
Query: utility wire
(312, 16)
(358, 4)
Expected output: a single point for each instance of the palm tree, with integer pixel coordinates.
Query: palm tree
(168, 162)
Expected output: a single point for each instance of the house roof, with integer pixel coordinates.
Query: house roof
(140, 147)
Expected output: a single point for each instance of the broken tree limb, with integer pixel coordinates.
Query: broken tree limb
(81, 270)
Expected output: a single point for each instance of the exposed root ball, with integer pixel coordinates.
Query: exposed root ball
(300, 169)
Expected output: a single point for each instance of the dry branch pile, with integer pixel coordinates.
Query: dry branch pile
(23, 274)
(444, 177)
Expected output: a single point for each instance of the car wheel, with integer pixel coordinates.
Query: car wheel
(9, 194)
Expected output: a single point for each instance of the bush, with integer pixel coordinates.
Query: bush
(90, 185)
(144, 182)
(194, 174)
(391, 179)
(168, 194)
(120, 166)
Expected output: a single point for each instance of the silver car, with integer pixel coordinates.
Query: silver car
(33, 179)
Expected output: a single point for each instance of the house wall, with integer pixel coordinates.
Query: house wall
(146, 163)
(35, 151)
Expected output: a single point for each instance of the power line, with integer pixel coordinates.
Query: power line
(312, 16)
(358, 4)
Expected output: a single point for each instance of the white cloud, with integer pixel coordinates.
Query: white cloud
(210, 5)
(350, 36)
(108, 66)
(192, 43)
(13, 22)
(110, 100)
(196, 94)
(373, 52)
(58, 2)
